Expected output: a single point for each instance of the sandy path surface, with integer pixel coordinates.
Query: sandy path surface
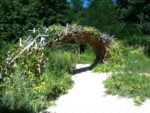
(88, 96)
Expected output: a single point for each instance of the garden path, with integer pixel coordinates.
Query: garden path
(88, 96)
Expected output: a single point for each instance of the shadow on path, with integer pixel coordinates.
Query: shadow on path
(83, 69)
(80, 70)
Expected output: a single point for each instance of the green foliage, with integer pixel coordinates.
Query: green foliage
(77, 4)
(124, 18)
(134, 11)
(41, 72)
(100, 14)
(115, 59)
(62, 61)
(125, 59)
(3, 52)
(55, 83)
(139, 41)
(88, 56)
(146, 28)
(35, 78)
(129, 84)
(17, 16)
(136, 61)
(19, 93)
(130, 69)
(31, 93)
(123, 30)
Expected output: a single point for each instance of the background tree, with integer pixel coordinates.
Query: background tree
(135, 12)
(17, 16)
(100, 14)
(76, 9)
(77, 4)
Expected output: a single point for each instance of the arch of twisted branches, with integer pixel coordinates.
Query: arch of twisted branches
(99, 41)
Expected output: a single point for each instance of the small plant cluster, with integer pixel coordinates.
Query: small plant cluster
(133, 85)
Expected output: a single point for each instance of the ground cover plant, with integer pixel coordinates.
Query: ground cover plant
(133, 85)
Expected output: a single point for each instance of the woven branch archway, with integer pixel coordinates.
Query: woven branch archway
(100, 42)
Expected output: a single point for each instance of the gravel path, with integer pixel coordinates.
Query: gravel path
(88, 96)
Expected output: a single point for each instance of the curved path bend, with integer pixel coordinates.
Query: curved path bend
(88, 96)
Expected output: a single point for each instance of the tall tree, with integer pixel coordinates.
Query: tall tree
(134, 11)
(76, 8)
(99, 14)
(77, 4)
(20, 15)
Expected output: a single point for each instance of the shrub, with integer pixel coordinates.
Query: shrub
(115, 59)
(19, 94)
(55, 83)
(31, 93)
(26, 89)
(125, 59)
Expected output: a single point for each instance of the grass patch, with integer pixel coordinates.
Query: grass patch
(137, 61)
(88, 56)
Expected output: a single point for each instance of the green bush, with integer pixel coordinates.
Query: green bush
(55, 83)
(31, 93)
(19, 94)
(115, 59)
(26, 89)
(133, 85)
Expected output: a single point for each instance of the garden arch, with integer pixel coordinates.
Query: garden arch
(100, 42)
